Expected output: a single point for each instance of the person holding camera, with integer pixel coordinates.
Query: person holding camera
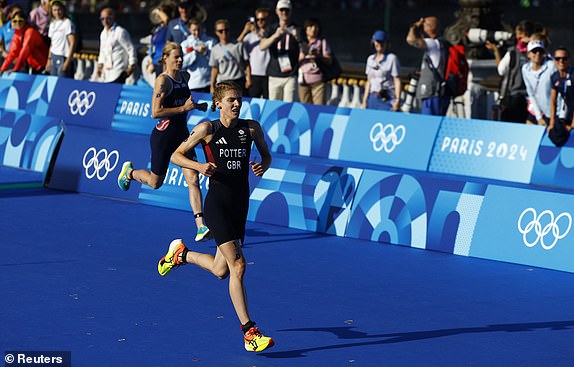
(536, 74)
(424, 34)
(314, 52)
(251, 36)
(283, 44)
(561, 98)
(171, 101)
(383, 88)
(512, 89)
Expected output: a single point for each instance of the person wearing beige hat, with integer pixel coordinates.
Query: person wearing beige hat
(283, 44)
(536, 74)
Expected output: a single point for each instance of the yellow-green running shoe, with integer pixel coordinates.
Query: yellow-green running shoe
(123, 179)
(171, 259)
(257, 342)
(202, 232)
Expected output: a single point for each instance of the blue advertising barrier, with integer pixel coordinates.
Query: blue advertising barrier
(487, 149)
(304, 194)
(324, 176)
(174, 191)
(416, 211)
(83, 103)
(27, 141)
(14, 90)
(554, 166)
(388, 138)
(527, 227)
(90, 160)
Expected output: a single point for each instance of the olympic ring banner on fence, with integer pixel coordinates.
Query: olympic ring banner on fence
(388, 139)
(90, 160)
(488, 149)
(84, 103)
(527, 227)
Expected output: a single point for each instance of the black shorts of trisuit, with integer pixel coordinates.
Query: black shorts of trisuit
(225, 211)
(164, 143)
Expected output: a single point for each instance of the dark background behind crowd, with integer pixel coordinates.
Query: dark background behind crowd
(348, 24)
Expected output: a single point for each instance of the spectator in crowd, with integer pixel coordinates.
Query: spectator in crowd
(6, 31)
(561, 98)
(160, 16)
(383, 87)
(509, 67)
(27, 48)
(424, 34)
(62, 34)
(178, 29)
(536, 74)
(40, 18)
(117, 58)
(251, 36)
(196, 53)
(229, 61)
(283, 44)
(313, 53)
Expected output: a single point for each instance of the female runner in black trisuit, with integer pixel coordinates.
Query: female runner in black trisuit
(171, 102)
(227, 145)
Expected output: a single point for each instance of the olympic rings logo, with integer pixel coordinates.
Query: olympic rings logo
(543, 225)
(81, 102)
(99, 164)
(387, 137)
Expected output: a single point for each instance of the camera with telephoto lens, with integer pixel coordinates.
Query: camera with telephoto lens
(480, 36)
(410, 91)
(201, 106)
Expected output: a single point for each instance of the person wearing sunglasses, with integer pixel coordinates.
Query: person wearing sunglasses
(536, 74)
(27, 49)
(283, 44)
(117, 58)
(561, 98)
(229, 61)
(251, 36)
(6, 31)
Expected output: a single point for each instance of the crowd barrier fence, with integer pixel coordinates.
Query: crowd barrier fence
(468, 187)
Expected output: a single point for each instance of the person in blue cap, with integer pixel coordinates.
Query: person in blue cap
(383, 88)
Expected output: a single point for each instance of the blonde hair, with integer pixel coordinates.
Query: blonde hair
(167, 49)
(220, 90)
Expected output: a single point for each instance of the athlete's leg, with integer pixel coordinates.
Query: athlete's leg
(192, 180)
(147, 178)
(236, 263)
(217, 265)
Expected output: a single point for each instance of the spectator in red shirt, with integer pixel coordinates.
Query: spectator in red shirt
(27, 48)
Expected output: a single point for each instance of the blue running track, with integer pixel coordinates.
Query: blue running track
(79, 274)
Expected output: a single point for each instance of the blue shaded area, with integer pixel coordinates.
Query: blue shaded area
(78, 274)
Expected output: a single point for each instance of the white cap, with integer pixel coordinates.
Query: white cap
(534, 44)
(282, 4)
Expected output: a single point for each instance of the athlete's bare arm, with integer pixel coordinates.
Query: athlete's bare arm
(201, 132)
(259, 168)
(161, 89)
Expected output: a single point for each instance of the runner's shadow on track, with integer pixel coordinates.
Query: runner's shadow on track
(347, 333)
(280, 237)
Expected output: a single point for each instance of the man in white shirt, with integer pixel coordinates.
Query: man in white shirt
(117, 59)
